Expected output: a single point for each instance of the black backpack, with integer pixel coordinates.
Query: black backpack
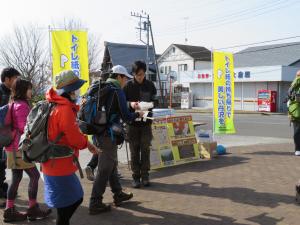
(4, 97)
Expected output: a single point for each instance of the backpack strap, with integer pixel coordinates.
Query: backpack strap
(77, 163)
(58, 137)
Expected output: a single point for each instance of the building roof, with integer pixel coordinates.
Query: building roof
(126, 54)
(268, 55)
(196, 52)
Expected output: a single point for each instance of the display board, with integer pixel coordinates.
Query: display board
(174, 141)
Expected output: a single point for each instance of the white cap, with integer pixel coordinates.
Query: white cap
(118, 69)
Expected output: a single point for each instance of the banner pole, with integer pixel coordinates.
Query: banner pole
(212, 94)
(50, 54)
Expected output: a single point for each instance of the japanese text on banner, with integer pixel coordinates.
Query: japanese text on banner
(70, 52)
(223, 93)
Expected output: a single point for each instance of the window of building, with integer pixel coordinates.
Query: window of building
(182, 67)
(240, 74)
(161, 69)
(247, 74)
(166, 70)
(173, 49)
(153, 77)
(170, 68)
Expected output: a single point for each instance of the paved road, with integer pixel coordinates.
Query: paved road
(254, 124)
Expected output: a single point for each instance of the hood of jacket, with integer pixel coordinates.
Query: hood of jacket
(53, 97)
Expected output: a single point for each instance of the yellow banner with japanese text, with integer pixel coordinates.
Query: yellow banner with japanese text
(223, 71)
(70, 52)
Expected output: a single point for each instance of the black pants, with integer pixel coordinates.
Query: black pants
(107, 170)
(139, 143)
(64, 214)
(296, 135)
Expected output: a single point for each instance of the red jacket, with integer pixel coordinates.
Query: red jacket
(63, 119)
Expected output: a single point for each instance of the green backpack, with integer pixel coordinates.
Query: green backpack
(294, 100)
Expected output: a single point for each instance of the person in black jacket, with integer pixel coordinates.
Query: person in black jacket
(116, 109)
(8, 76)
(139, 132)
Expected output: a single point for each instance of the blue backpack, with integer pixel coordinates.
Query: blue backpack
(6, 129)
(92, 116)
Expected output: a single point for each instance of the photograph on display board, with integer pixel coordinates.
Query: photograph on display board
(155, 160)
(166, 155)
(160, 134)
(182, 126)
(185, 149)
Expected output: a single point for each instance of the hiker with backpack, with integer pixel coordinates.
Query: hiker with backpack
(116, 108)
(294, 110)
(63, 190)
(8, 76)
(19, 108)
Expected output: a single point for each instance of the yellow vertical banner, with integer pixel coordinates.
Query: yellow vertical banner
(223, 71)
(70, 52)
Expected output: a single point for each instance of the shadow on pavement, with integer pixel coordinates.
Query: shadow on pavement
(272, 153)
(200, 166)
(126, 216)
(236, 194)
(263, 219)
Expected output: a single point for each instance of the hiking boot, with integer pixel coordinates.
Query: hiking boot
(122, 197)
(12, 215)
(146, 182)
(97, 207)
(136, 183)
(89, 173)
(35, 213)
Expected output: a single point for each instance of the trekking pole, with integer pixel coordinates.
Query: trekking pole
(127, 154)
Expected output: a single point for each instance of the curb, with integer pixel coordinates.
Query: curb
(236, 112)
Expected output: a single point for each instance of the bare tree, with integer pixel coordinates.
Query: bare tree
(94, 49)
(24, 50)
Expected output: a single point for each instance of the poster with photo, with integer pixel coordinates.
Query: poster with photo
(155, 160)
(185, 149)
(161, 136)
(173, 141)
(181, 126)
(166, 155)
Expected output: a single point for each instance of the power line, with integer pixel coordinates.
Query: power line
(210, 26)
(237, 13)
(238, 46)
(244, 52)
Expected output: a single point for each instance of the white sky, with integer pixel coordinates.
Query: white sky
(112, 21)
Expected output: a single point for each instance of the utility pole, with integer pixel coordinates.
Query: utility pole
(143, 26)
(145, 20)
(185, 29)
